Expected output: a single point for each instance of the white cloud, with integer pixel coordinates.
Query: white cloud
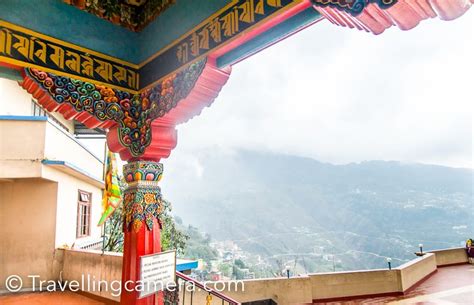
(340, 95)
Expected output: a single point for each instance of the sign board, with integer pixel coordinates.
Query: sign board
(157, 272)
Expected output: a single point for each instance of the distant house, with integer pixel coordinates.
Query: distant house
(50, 186)
(215, 276)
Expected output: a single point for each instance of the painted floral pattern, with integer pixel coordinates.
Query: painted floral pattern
(133, 112)
(143, 203)
(131, 14)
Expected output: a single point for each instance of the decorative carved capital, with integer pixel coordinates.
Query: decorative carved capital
(142, 198)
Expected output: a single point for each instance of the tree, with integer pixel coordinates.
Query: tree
(113, 232)
(225, 268)
(198, 246)
(239, 263)
(172, 237)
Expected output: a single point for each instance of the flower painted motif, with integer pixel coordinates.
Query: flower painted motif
(142, 204)
(142, 200)
(150, 198)
(137, 224)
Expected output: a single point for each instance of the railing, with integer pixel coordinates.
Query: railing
(38, 110)
(199, 293)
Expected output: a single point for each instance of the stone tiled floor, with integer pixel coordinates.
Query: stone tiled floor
(448, 286)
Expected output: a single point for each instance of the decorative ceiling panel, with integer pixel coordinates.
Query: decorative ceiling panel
(131, 14)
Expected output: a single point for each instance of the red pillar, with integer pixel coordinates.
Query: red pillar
(142, 207)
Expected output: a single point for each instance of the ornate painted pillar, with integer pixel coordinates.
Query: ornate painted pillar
(142, 209)
(141, 128)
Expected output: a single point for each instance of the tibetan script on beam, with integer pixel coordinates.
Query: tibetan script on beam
(27, 48)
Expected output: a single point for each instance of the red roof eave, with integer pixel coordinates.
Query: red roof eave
(405, 14)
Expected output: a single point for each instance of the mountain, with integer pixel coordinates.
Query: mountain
(320, 216)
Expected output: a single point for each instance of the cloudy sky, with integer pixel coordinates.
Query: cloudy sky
(340, 96)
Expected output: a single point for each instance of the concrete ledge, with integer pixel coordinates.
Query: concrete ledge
(449, 257)
(75, 171)
(22, 117)
(94, 265)
(416, 270)
(354, 283)
(338, 286)
(321, 287)
(296, 290)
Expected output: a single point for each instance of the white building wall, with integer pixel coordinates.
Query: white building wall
(60, 146)
(32, 141)
(66, 209)
(13, 99)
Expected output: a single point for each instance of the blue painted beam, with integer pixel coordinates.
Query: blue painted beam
(73, 167)
(271, 36)
(65, 22)
(175, 22)
(22, 118)
(10, 74)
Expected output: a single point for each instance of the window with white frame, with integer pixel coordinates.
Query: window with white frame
(83, 214)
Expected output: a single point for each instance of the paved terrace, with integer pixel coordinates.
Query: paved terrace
(448, 285)
(440, 277)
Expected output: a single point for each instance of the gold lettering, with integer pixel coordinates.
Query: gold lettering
(274, 3)
(183, 52)
(204, 39)
(41, 53)
(5, 42)
(121, 74)
(194, 44)
(87, 66)
(73, 62)
(132, 79)
(104, 69)
(58, 56)
(215, 29)
(22, 46)
(260, 8)
(247, 14)
(230, 23)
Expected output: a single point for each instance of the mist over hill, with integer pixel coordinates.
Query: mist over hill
(322, 216)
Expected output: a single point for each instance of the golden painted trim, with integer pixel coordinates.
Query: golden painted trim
(176, 41)
(295, 2)
(140, 65)
(135, 66)
(66, 44)
(25, 64)
(141, 183)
